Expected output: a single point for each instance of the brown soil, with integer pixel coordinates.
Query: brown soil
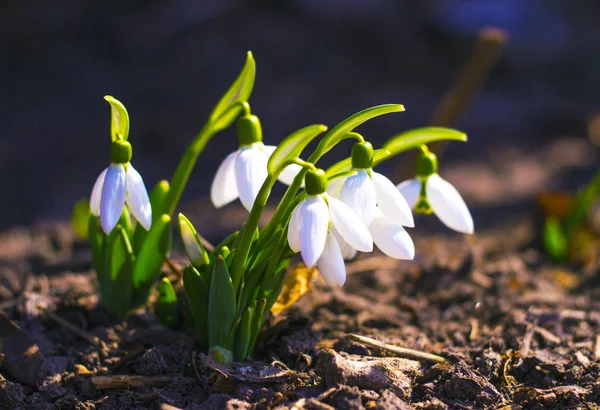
(517, 330)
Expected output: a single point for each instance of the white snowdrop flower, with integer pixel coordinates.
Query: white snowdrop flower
(117, 185)
(244, 171)
(430, 193)
(378, 204)
(314, 225)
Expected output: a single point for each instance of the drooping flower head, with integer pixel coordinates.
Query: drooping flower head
(429, 193)
(243, 172)
(313, 227)
(377, 203)
(117, 185)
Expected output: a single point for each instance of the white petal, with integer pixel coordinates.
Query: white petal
(448, 205)
(349, 226)
(289, 172)
(313, 224)
(410, 190)
(391, 202)
(358, 193)
(335, 186)
(137, 198)
(112, 200)
(294, 228)
(331, 263)
(391, 238)
(97, 193)
(348, 252)
(250, 173)
(224, 188)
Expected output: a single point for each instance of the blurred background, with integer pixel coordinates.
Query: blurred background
(317, 62)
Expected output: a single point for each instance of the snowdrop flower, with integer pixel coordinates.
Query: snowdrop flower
(118, 184)
(243, 172)
(315, 224)
(377, 203)
(430, 193)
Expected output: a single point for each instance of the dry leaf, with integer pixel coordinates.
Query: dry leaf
(296, 285)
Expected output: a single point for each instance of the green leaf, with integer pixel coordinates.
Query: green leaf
(192, 243)
(153, 251)
(96, 238)
(221, 305)
(197, 291)
(257, 321)
(415, 138)
(227, 109)
(243, 334)
(119, 119)
(292, 146)
(555, 241)
(157, 199)
(583, 204)
(167, 307)
(346, 164)
(118, 261)
(80, 220)
(339, 132)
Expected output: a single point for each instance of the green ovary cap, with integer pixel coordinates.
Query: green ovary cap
(249, 130)
(315, 182)
(120, 152)
(427, 163)
(362, 155)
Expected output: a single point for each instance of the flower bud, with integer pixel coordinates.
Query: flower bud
(249, 130)
(315, 182)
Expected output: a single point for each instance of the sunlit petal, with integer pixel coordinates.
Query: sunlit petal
(348, 224)
(358, 193)
(391, 202)
(294, 228)
(410, 190)
(250, 173)
(391, 238)
(348, 252)
(113, 195)
(448, 205)
(97, 194)
(224, 188)
(313, 224)
(137, 198)
(331, 263)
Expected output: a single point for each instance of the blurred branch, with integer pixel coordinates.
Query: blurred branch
(458, 99)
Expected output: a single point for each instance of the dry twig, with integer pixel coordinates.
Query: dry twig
(94, 340)
(127, 382)
(398, 351)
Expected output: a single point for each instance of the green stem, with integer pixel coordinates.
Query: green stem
(237, 265)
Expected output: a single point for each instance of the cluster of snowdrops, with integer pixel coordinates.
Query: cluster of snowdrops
(325, 215)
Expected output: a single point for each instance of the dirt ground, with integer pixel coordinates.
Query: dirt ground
(515, 329)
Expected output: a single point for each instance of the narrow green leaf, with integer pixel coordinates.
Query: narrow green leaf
(583, 204)
(96, 239)
(197, 291)
(415, 138)
(221, 305)
(153, 251)
(243, 334)
(119, 119)
(555, 241)
(157, 199)
(346, 164)
(167, 307)
(192, 243)
(339, 131)
(292, 146)
(257, 322)
(223, 114)
(118, 261)
(80, 220)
